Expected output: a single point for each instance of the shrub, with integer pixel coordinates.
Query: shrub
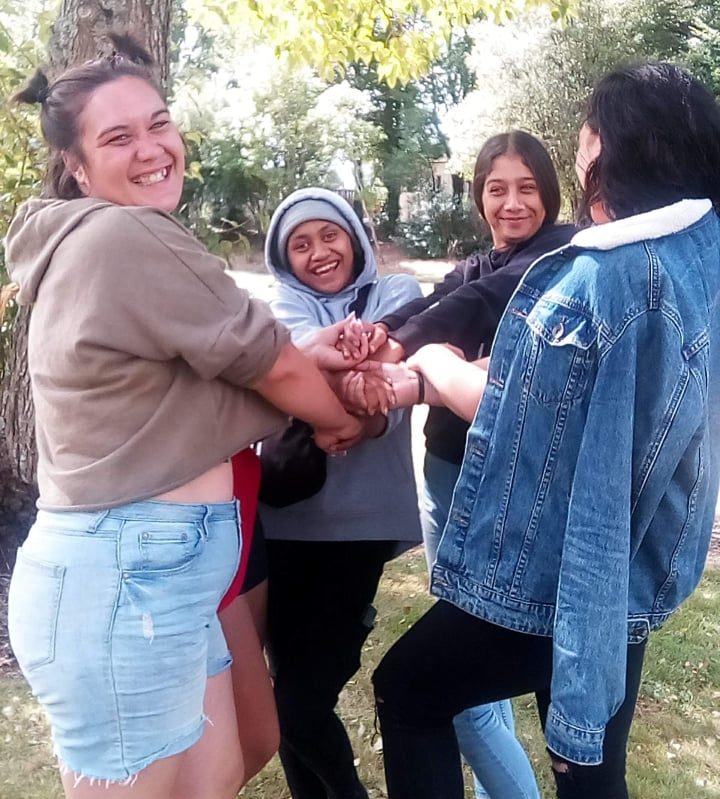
(440, 225)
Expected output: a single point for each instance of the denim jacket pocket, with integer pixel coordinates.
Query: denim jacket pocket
(34, 605)
(562, 341)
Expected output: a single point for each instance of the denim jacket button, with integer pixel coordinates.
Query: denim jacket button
(558, 331)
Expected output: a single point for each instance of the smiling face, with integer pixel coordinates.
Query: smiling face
(130, 151)
(321, 256)
(511, 202)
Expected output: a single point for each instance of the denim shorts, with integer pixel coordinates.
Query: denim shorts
(113, 620)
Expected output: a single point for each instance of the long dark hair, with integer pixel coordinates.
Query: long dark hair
(659, 132)
(535, 157)
(63, 101)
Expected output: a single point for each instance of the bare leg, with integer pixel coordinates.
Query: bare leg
(243, 621)
(257, 598)
(214, 767)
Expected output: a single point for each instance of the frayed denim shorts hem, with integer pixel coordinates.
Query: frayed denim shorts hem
(180, 744)
(219, 663)
(113, 620)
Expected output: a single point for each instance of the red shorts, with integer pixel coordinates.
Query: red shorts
(246, 486)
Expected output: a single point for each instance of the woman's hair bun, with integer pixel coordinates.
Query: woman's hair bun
(127, 46)
(36, 91)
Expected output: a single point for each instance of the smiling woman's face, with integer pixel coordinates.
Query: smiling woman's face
(511, 202)
(321, 256)
(132, 153)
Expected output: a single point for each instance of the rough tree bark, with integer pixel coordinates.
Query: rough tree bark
(79, 34)
(17, 407)
(80, 31)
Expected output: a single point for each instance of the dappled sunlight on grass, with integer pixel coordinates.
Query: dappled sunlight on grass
(28, 767)
(675, 742)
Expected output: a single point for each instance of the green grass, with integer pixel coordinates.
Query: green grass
(27, 767)
(674, 747)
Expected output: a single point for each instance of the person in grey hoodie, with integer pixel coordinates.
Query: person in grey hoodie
(326, 553)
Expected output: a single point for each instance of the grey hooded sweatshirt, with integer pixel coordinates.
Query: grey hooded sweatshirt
(369, 493)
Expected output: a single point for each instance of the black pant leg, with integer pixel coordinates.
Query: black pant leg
(451, 660)
(319, 615)
(606, 781)
(448, 661)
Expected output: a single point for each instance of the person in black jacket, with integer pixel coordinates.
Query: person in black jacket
(516, 192)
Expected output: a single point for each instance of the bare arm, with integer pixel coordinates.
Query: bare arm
(296, 386)
(458, 383)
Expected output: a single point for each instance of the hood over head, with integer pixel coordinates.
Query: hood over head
(316, 203)
(304, 211)
(37, 230)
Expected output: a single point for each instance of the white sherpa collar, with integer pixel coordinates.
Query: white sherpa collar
(651, 225)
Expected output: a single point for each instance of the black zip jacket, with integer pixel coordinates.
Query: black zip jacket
(465, 310)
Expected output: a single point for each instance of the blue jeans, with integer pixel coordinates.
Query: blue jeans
(486, 733)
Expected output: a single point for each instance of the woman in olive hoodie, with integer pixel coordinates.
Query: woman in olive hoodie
(149, 369)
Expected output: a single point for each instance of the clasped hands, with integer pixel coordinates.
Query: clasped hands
(361, 365)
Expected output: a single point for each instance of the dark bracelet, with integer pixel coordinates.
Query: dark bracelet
(421, 388)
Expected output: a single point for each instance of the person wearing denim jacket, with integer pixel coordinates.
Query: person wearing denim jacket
(583, 512)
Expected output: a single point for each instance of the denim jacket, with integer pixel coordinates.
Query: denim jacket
(587, 494)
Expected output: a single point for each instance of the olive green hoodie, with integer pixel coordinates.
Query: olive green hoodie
(141, 350)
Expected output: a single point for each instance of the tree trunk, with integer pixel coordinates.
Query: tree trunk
(458, 187)
(78, 35)
(17, 407)
(80, 31)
